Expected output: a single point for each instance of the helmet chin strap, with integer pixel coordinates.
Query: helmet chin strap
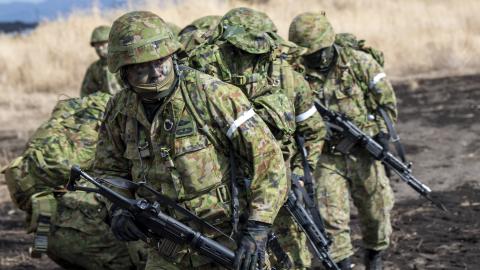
(157, 96)
(152, 93)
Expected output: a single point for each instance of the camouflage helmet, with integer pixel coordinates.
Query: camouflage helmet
(312, 31)
(174, 28)
(100, 34)
(139, 37)
(204, 23)
(248, 30)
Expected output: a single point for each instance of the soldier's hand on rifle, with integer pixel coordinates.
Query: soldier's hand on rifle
(297, 186)
(123, 226)
(250, 254)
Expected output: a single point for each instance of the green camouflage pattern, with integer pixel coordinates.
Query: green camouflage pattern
(69, 137)
(276, 90)
(139, 37)
(183, 153)
(195, 33)
(174, 28)
(100, 34)
(99, 79)
(248, 30)
(205, 22)
(364, 179)
(292, 240)
(355, 85)
(311, 30)
(79, 237)
(350, 40)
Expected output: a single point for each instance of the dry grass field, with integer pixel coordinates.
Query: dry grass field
(417, 36)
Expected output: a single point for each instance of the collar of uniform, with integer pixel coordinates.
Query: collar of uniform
(340, 63)
(103, 61)
(134, 107)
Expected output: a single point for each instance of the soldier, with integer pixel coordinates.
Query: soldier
(351, 82)
(175, 128)
(69, 227)
(248, 53)
(193, 34)
(97, 77)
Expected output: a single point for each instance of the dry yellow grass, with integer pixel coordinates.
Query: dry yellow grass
(417, 36)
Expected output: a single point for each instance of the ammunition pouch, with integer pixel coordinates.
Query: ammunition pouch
(44, 209)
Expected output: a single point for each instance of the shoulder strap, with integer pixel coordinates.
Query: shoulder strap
(203, 127)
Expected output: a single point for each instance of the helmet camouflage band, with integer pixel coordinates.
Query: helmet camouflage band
(100, 34)
(312, 31)
(139, 37)
(248, 30)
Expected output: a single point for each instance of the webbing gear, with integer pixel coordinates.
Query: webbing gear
(393, 134)
(40, 239)
(280, 255)
(234, 202)
(309, 191)
(44, 208)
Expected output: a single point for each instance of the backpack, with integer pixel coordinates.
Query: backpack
(68, 137)
(271, 104)
(351, 41)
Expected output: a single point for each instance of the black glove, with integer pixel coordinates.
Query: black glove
(252, 246)
(123, 226)
(383, 139)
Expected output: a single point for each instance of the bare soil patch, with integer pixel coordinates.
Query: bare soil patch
(439, 126)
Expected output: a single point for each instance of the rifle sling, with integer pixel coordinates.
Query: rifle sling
(308, 192)
(393, 134)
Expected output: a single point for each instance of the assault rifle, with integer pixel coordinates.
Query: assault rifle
(353, 136)
(319, 241)
(160, 228)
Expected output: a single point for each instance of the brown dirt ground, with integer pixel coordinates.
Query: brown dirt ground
(439, 126)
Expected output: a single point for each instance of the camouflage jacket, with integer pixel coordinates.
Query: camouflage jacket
(356, 85)
(98, 78)
(184, 151)
(258, 78)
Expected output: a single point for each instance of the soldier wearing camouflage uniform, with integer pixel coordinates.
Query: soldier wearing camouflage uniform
(248, 53)
(174, 128)
(353, 83)
(193, 34)
(69, 227)
(97, 77)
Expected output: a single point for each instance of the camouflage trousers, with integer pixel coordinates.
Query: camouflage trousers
(80, 239)
(358, 176)
(293, 241)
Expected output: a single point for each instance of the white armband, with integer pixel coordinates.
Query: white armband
(377, 78)
(239, 121)
(304, 116)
